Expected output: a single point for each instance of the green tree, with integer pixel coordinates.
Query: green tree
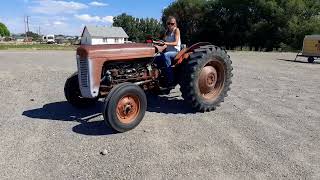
(258, 24)
(138, 28)
(33, 35)
(227, 23)
(4, 30)
(189, 15)
(303, 18)
(268, 25)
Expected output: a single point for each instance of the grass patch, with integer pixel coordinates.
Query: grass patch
(37, 47)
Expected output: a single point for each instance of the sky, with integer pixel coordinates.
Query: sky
(68, 17)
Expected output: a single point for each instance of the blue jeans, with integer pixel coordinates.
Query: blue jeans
(165, 61)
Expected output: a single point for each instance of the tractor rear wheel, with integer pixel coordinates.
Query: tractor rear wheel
(125, 107)
(73, 94)
(206, 78)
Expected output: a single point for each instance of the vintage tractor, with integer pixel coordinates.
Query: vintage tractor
(121, 73)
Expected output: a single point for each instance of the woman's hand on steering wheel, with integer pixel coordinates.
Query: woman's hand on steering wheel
(159, 43)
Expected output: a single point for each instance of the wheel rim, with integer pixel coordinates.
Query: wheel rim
(211, 79)
(128, 108)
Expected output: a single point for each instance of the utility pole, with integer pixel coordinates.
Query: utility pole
(25, 27)
(39, 35)
(28, 23)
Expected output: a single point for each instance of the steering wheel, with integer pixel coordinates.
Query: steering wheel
(159, 43)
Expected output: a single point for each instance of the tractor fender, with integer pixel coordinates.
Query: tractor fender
(185, 53)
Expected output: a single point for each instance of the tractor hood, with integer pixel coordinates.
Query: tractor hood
(91, 58)
(116, 51)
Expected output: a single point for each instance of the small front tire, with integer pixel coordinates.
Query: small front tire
(73, 94)
(125, 107)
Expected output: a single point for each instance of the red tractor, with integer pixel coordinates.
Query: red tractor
(121, 73)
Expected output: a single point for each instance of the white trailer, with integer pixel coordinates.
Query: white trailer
(49, 39)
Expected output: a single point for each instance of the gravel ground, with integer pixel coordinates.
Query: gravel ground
(268, 128)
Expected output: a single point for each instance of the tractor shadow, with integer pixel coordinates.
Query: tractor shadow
(299, 61)
(63, 111)
(168, 105)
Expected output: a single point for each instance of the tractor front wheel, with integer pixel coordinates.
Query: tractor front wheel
(73, 94)
(125, 107)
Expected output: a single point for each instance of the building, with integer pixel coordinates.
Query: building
(93, 35)
(18, 38)
(60, 39)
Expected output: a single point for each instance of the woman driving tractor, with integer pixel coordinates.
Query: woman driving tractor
(173, 42)
(122, 73)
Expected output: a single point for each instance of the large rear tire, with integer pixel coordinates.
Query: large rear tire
(206, 78)
(73, 94)
(125, 107)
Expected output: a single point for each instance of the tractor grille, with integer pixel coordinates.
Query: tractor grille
(84, 73)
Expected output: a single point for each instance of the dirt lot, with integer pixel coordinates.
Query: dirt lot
(268, 128)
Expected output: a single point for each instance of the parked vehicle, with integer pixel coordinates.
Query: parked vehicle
(49, 39)
(311, 48)
(120, 74)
